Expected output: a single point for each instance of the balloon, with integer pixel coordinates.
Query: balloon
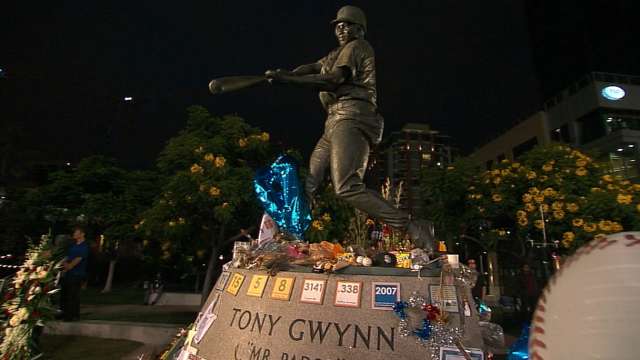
(278, 189)
(589, 309)
(520, 349)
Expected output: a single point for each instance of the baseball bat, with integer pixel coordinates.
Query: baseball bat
(233, 83)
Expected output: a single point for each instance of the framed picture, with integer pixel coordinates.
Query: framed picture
(452, 353)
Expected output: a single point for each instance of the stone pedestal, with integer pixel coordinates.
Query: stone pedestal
(268, 326)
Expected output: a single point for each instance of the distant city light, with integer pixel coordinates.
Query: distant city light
(439, 163)
(609, 119)
(613, 93)
(620, 149)
(128, 98)
(631, 145)
(68, 163)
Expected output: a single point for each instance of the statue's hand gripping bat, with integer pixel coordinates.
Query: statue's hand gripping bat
(233, 83)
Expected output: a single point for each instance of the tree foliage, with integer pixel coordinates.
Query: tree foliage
(208, 170)
(553, 190)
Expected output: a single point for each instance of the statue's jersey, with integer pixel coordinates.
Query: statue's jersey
(356, 98)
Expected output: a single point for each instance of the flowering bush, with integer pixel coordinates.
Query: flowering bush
(558, 190)
(27, 303)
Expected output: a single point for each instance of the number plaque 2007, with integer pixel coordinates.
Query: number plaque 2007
(348, 293)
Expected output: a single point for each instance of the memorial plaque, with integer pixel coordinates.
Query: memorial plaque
(348, 294)
(282, 287)
(249, 328)
(235, 284)
(384, 295)
(313, 291)
(257, 285)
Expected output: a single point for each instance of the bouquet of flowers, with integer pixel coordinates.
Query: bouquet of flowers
(27, 301)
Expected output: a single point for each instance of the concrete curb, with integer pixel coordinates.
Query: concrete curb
(146, 333)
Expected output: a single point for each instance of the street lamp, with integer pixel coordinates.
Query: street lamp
(128, 98)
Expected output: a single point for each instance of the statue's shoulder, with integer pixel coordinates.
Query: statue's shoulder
(361, 45)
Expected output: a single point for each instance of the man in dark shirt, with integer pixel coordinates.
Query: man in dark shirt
(346, 78)
(74, 273)
(478, 290)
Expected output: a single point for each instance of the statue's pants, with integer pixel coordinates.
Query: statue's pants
(344, 150)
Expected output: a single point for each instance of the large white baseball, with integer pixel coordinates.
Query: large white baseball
(591, 307)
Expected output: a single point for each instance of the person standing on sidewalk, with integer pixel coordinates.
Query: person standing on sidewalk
(73, 274)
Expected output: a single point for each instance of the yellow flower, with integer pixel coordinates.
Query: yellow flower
(572, 207)
(590, 227)
(549, 192)
(558, 214)
(534, 191)
(624, 199)
(264, 136)
(638, 207)
(596, 189)
(539, 198)
(577, 222)
(611, 187)
(545, 208)
(523, 221)
(581, 162)
(370, 222)
(326, 217)
(547, 167)
(242, 142)
(497, 180)
(531, 175)
(616, 227)
(209, 157)
(568, 236)
(581, 171)
(539, 224)
(636, 187)
(531, 208)
(515, 165)
(214, 191)
(496, 198)
(521, 214)
(527, 198)
(220, 161)
(505, 172)
(495, 172)
(605, 225)
(317, 224)
(196, 169)
(544, 178)
(557, 205)
(607, 178)
(566, 244)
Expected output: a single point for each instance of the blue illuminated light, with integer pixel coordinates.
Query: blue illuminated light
(613, 93)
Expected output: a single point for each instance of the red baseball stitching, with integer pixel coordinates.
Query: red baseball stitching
(537, 328)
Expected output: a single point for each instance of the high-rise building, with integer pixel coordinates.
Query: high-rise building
(599, 113)
(404, 154)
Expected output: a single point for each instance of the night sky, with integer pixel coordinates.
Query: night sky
(465, 67)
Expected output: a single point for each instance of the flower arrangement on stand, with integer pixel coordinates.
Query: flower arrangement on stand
(27, 302)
